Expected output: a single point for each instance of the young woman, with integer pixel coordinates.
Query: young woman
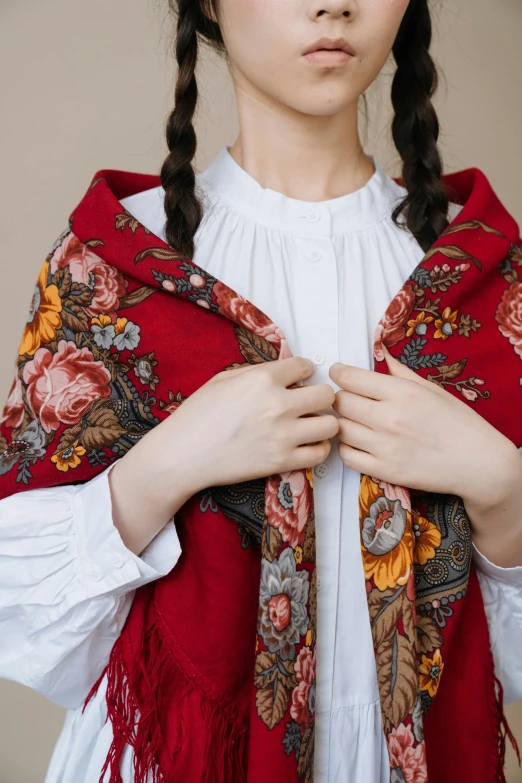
(301, 222)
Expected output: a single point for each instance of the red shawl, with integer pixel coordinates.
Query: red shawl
(213, 676)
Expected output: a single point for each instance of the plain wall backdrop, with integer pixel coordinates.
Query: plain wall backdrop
(88, 85)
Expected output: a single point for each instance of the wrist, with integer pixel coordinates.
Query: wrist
(147, 488)
(496, 518)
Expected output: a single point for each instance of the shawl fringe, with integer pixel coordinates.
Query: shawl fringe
(136, 720)
(503, 732)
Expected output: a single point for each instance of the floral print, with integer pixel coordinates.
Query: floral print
(44, 315)
(107, 283)
(282, 604)
(303, 696)
(406, 757)
(62, 386)
(288, 505)
(431, 672)
(509, 315)
(390, 540)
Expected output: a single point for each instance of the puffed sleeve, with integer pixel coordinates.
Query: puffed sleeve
(67, 582)
(502, 594)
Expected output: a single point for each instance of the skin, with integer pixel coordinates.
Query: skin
(298, 135)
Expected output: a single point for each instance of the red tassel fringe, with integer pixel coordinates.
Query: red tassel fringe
(503, 732)
(140, 725)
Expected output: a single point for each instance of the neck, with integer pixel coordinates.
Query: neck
(307, 157)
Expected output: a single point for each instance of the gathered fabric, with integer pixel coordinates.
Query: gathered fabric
(213, 676)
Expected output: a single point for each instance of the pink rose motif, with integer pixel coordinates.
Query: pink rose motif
(14, 409)
(88, 268)
(470, 394)
(410, 760)
(303, 696)
(279, 611)
(289, 504)
(237, 307)
(392, 327)
(509, 315)
(61, 387)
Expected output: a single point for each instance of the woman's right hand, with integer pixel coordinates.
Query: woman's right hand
(243, 423)
(246, 423)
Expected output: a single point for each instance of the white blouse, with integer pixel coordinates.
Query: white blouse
(324, 272)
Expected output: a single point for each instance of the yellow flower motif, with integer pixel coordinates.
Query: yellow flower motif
(257, 644)
(392, 538)
(430, 672)
(421, 320)
(69, 458)
(119, 326)
(309, 476)
(445, 326)
(44, 315)
(101, 320)
(308, 638)
(298, 554)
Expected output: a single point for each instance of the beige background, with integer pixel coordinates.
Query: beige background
(87, 85)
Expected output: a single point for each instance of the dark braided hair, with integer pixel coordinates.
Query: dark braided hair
(182, 207)
(415, 126)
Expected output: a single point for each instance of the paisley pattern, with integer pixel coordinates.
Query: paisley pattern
(89, 384)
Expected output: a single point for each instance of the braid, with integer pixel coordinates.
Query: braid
(182, 207)
(415, 127)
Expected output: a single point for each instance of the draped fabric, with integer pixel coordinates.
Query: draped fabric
(213, 676)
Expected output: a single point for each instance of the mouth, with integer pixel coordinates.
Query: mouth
(329, 51)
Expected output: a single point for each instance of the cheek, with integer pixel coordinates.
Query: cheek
(251, 29)
(380, 20)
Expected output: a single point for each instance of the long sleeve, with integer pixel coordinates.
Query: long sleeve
(67, 582)
(502, 594)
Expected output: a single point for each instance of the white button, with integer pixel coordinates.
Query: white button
(319, 583)
(321, 470)
(313, 217)
(117, 560)
(318, 358)
(96, 572)
(316, 255)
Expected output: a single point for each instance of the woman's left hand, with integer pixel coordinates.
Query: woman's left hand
(406, 430)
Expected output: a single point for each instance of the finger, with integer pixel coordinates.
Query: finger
(357, 459)
(314, 429)
(292, 369)
(311, 454)
(400, 370)
(368, 383)
(357, 435)
(353, 406)
(312, 399)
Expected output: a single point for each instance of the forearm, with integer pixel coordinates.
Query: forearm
(496, 515)
(146, 490)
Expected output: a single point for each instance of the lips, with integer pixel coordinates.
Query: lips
(337, 44)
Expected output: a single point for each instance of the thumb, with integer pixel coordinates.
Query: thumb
(400, 370)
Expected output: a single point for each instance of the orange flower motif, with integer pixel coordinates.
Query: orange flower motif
(430, 672)
(392, 537)
(445, 326)
(44, 315)
(102, 320)
(298, 554)
(119, 326)
(419, 324)
(69, 458)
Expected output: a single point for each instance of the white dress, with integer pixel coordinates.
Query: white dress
(324, 272)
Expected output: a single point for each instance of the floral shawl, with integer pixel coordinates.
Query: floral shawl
(213, 676)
